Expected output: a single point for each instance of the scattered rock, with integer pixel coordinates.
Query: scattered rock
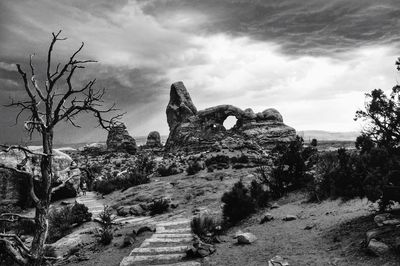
(123, 210)
(200, 249)
(65, 203)
(137, 210)
(145, 229)
(266, 218)
(238, 233)
(378, 248)
(246, 238)
(391, 222)
(128, 241)
(278, 261)
(289, 218)
(275, 206)
(377, 232)
(309, 227)
(381, 218)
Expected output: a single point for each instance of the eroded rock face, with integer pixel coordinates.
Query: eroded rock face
(66, 173)
(119, 140)
(153, 140)
(199, 130)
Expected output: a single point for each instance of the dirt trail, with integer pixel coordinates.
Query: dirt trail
(335, 238)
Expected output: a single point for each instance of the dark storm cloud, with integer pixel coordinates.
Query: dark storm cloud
(312, 27)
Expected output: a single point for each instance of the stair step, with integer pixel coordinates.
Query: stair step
(164, 235)
(160, 258)
(175, 249)
(186, 263)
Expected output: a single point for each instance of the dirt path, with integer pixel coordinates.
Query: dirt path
(334, 235)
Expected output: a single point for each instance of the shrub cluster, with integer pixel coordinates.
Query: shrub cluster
(290, 167)
(167, 170)
(159, 206)
(206, 227)
(137, 175)
(61, 220)
(364, 173)
(240, 202)
(194, 167)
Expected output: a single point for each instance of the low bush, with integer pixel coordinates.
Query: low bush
(259, 194)
(106, 220)
(61, 220)
(205, 226)
(243, 159)
(194, 168)
(159, 206)
(131, 179)
(238, 204)
(164, 170)
(219, 159)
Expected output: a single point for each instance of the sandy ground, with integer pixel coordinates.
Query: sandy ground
(336, 237)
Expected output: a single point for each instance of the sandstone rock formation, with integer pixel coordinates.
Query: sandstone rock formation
(153, 140)
(119, 140)
(66, 174)
(199, 130)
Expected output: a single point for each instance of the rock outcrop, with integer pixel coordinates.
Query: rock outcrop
(67, 175)
(153, 140)
(119, 140)
(194, 130)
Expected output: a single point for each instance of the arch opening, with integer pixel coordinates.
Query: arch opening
(230, 122)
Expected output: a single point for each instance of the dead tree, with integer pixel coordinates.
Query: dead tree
(57, 100)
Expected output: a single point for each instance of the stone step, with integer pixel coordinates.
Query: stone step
(173, 231)
(132, 219)
(165, 241)
(163, 235)
(175, 249)
(185, 263)
(174, 223)
(142, 259)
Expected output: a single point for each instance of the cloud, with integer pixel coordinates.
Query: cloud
(300, 27)
(312, 60)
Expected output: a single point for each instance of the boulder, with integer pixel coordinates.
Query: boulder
(119, 140)
(246, 238)
(200, 249)
(374, 233)
(67, 175)
(266, 218)
(153, 140)
(289, 218)
(192, 130)
(377, 248)
(123, 210)
(381, 218)
(137, 210)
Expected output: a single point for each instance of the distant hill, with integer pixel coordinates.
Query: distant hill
(326, 135)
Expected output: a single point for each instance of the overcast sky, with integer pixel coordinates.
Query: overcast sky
(312, 60)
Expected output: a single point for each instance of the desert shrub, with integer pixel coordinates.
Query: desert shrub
(112, 183)
(194, 167)
(238, 204)
(289, 169)
(61, 220)
(145, 164)
(219, 159)
(105, 234)
(205, 226)
(165, 170)
(259, 194)
(159, 206)
(106, 237)
(104, 186)
(243, 159)
(80, 213)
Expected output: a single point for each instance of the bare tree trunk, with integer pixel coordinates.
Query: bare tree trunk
(41, 216)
